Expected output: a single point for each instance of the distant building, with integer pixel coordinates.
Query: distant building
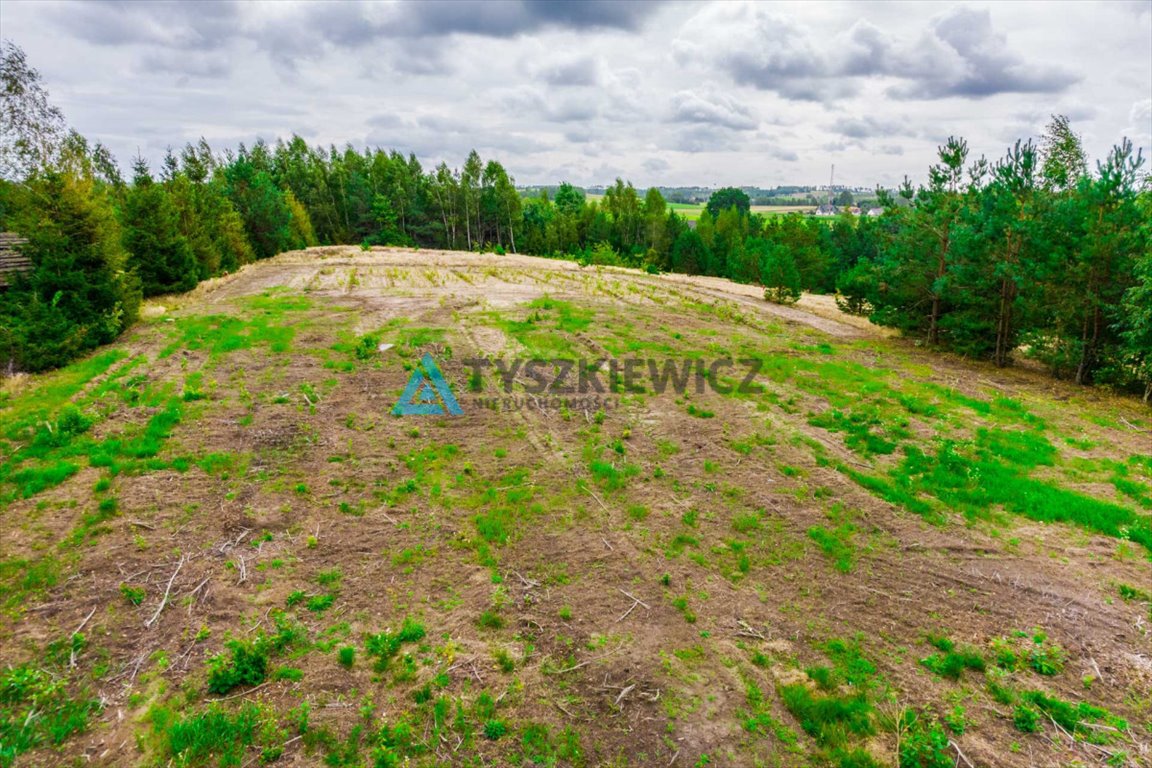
(875, 212)
(12, 261)
(827, 210)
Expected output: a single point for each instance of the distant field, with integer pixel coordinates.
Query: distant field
(219, 547)
(692, 211)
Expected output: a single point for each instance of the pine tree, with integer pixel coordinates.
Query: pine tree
(79, 293)
(689, 254)
(778, 273)
(261, 205)
(157, 251)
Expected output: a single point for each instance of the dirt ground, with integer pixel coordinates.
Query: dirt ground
(627, 612)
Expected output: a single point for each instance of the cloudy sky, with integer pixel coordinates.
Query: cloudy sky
(660, 93)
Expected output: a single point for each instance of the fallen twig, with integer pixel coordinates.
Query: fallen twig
(574, 667)
(635, 602)
(530, 583)
(1130, 425)
(956, 747)
(624, 693)
(746, 630)
(72, 656)
(243, 693)
(167, 590)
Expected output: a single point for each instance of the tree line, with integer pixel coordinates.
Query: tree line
(1033, 254)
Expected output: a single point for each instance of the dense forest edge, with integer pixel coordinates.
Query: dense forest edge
(1034, 255)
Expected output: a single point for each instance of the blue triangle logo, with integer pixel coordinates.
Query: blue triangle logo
(427, 393)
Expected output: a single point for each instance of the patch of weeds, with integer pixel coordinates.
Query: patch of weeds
(1026, 719)
(539, 746)
(758, 718)
(195, 739)
(951, 662)
(504, 660)
(833, 721)
(836, 543)
(860, 427)
(956, 720)
(611, 476)
(346, 656)
(924, 744)
(1047, 659)
(849, 660)
(1132, 594)
(246, 660)
(36, 709)
(23, 579)
(383, 646)
(994, 471)
(133, 594)
(744, 523)
(681, 604)
(490, 619)
(1076, 717)
(246, 663)
(291, 674)
(321, 603)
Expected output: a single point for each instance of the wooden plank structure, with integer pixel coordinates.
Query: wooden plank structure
(12, 261)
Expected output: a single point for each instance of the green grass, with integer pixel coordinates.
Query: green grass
(37, 709)
(951, 662)
(215, 735)
(836, 543)
(245, 664)
(383, 646)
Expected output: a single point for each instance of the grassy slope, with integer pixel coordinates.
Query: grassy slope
(879, 550)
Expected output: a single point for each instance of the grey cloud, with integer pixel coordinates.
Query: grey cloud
(532, 102)
(959, 55)
(581, 71)
(360, 23)
(981, 64)
(868, 127)
(655, 165)
(193, 26)
(700, 138)
(712, 109)
(787, 155)
(206, 64)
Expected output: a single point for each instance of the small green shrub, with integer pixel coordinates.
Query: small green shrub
(385, 645)
(245, 663)
(134, 595)
(494, 729)
(36, 710)
(925, 745)
(489, 619)
(1026, 719)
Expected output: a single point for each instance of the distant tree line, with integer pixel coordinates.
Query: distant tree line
(1031, 253)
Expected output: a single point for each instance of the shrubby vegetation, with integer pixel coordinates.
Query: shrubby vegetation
(1030, 255)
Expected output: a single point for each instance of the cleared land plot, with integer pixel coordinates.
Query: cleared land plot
(217, 545)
